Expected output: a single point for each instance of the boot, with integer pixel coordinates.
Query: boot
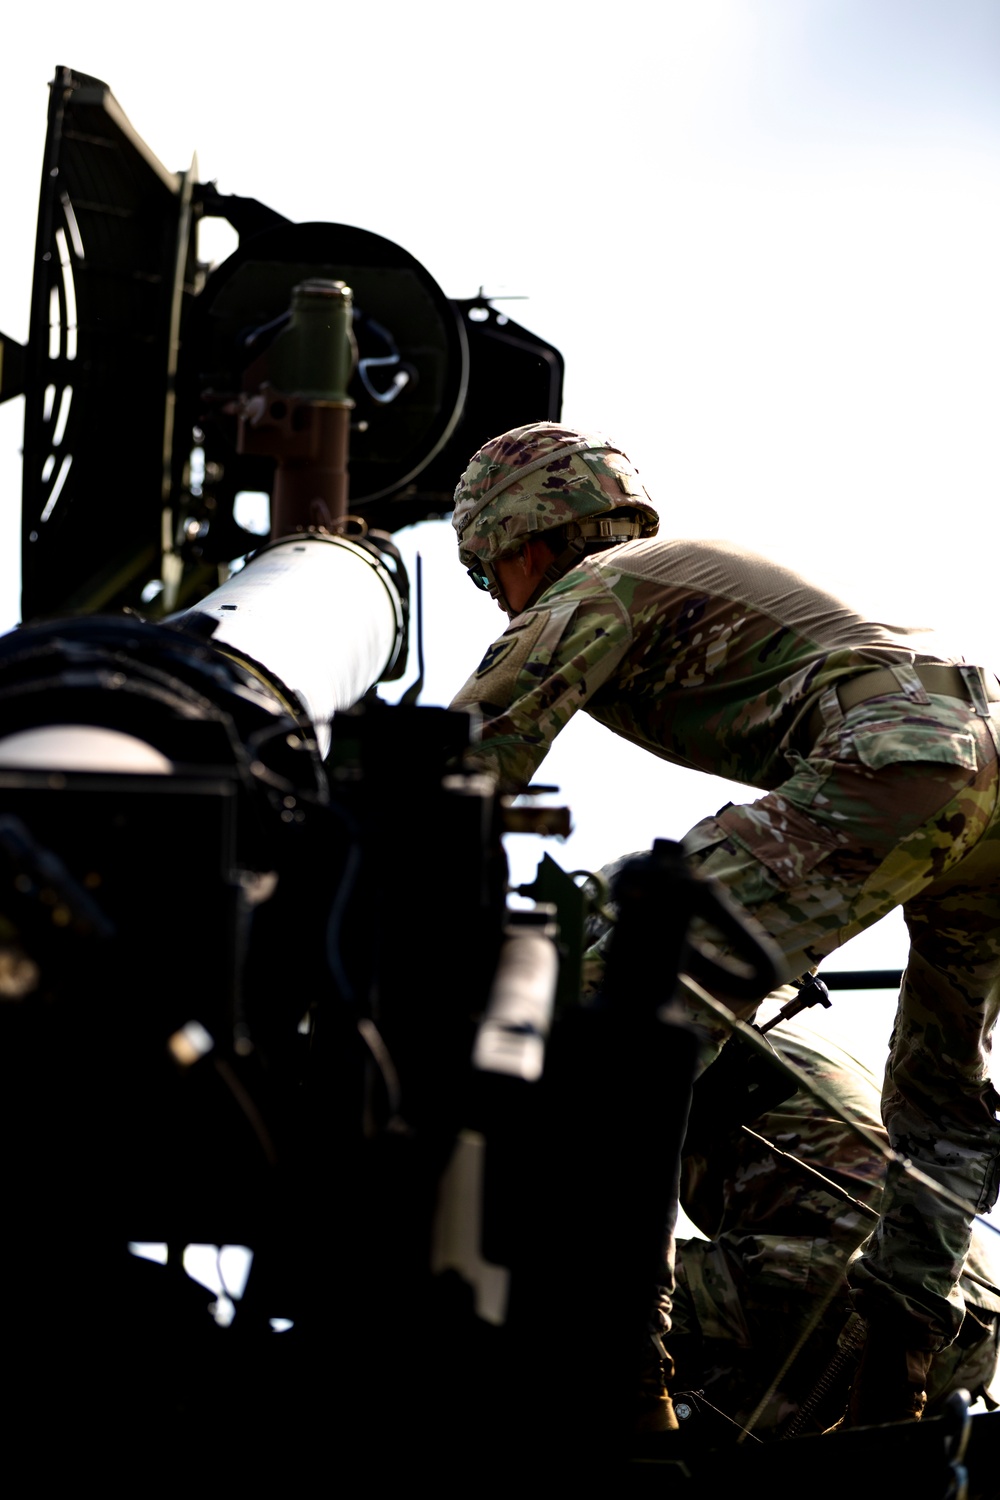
(654, 1410)
(889, 1384)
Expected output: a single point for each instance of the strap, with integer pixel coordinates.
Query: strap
(604, 526)
(579, 534)
(936, 677)
(982, 688)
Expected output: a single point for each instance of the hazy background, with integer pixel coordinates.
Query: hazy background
(764, 234)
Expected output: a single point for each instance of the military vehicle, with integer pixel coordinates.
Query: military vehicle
(263, 988)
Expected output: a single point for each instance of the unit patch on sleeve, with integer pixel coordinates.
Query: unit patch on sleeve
(496, 654)
(505, 658)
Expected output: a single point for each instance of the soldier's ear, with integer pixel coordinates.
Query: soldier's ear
(535, 557)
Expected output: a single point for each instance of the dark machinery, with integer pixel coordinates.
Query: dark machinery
(262, 987)
(157, 387)
(234, 1011)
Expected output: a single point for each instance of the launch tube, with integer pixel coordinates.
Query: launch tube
(317, 619)
(320, 613)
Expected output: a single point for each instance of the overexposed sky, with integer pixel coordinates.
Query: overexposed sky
(763, 233)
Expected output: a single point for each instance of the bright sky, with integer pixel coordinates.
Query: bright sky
(763, 233)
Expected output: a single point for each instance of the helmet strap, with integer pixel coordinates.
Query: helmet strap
(588, 536)
(567, 558)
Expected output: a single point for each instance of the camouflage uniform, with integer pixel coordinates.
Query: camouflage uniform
(761, 1305)
(714, 658)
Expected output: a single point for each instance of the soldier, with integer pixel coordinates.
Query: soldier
(877, 757)
(762, 1320)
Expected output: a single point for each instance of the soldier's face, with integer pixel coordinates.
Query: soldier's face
(513, 577)
(520, 573)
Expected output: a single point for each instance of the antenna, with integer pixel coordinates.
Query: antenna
(412, 693)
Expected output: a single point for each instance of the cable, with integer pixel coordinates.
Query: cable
(250, 1111)
(811, 1325)
(750, 1038)
(851, 1344)
(826, 1182)
(838, 1192)
(702, 1399)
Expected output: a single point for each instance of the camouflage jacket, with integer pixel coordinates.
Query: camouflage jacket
(701, 652)
(761, 1307)
(777, 1228)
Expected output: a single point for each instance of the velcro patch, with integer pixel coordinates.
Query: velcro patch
(496, 654)
(505, 658)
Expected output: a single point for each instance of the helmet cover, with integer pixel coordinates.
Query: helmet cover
(538, 477)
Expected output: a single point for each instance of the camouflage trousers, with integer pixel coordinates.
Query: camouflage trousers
(896, 804)
(772, 1354)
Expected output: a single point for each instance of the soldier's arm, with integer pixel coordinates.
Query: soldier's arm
(545, 666)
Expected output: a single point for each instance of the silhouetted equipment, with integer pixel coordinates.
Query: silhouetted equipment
(259, 983)
(138, 355)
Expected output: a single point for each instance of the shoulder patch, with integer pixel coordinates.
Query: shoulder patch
(496, 654)
(503, 661)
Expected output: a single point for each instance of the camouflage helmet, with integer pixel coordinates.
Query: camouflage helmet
(541, 476)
